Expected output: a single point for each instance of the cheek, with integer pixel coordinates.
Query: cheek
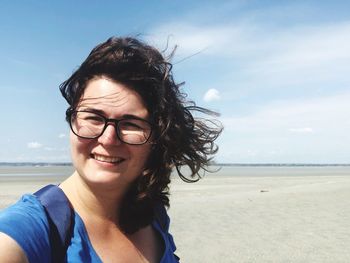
(144, 155)
(74, 143)
(78, 146)
(73, 148)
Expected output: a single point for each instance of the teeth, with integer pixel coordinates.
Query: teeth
(107, 159)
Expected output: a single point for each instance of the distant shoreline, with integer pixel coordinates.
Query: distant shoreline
(41, 164)
(282, 164)
(33, 164)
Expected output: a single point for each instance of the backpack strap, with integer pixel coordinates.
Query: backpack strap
(60, 216)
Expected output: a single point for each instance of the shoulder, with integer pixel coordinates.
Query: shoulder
(25, 222)
(24, 215)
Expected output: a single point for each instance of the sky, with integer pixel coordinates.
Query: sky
(276, 71)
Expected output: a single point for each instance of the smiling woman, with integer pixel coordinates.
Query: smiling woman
(130, 127)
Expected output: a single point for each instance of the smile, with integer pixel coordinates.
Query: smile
(107, 159)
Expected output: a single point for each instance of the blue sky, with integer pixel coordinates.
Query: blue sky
(277, 71)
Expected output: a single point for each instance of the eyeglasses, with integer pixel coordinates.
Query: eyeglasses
(91, 125)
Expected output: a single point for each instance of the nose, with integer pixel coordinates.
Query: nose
(109, 136)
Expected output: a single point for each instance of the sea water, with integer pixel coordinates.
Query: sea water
(215, 170)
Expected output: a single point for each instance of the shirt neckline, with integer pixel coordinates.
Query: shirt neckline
(155, 225)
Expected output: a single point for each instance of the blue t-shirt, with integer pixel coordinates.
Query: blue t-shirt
(26, 222)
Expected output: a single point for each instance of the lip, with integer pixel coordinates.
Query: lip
(107, 158)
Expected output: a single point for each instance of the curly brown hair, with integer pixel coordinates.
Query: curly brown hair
(180, 139)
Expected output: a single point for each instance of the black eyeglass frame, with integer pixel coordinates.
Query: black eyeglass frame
(116, 122)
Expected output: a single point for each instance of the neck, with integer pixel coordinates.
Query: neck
(93, 202)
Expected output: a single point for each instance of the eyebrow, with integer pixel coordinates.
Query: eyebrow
(101, 112)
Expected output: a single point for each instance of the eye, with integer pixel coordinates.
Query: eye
(89, 117)
(130, 125)
(134, 124)
(93, 118)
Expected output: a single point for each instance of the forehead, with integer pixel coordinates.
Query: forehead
(112, 98)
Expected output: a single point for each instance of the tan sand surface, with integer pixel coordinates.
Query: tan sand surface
(262, 219)
(247, 218)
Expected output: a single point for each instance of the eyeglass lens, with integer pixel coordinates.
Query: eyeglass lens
(90, 125)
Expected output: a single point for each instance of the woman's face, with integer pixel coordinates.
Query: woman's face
(107, 160)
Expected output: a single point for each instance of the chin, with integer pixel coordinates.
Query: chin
(108, 179)
(103, 177)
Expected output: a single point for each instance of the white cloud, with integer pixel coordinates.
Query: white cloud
(62, 135)
(301, 130)
(323, 113)
(277, 128)
(304, 54)
(192, 38)
(49, 149)
(53, 149)
(303, 64)
(211, 95)
(298, 44)
(34, 145)
(261, 56)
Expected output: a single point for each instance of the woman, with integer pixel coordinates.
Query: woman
(130, 126)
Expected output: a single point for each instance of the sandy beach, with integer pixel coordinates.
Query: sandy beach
(253, 215)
